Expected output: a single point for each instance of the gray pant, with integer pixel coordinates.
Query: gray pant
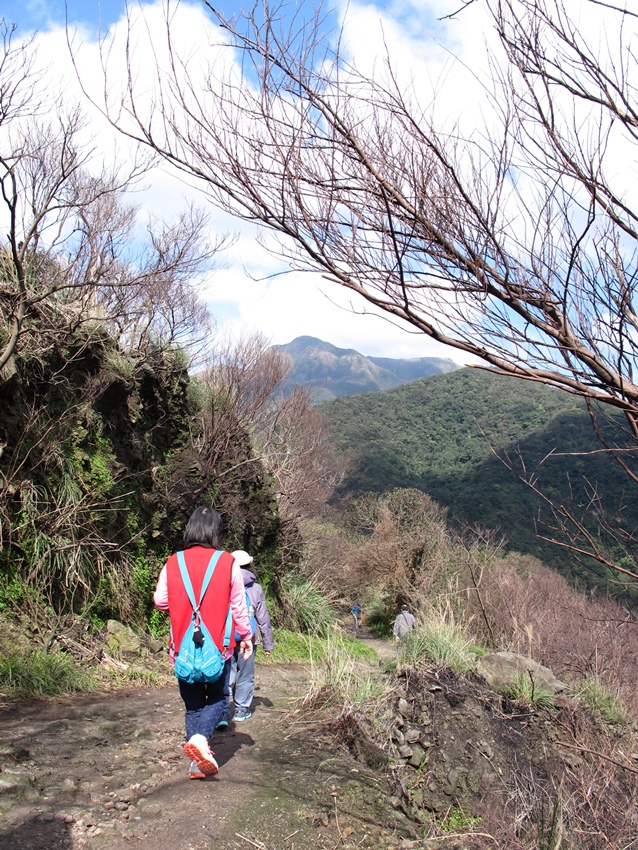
(242, 682)
(242, 679)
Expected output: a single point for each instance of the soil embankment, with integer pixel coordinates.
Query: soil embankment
(108, 772)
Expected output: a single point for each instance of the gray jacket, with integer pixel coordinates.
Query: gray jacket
(258, 601)
(403, 624)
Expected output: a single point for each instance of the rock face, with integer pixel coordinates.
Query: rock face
(476, 762)
(455, 742)
(501, 669)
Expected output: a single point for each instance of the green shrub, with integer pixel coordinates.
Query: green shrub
(42, 674)
(159, 623)
(601, 700)
(12, 592)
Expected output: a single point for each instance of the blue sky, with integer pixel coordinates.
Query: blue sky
(42, 14)
(92, 14)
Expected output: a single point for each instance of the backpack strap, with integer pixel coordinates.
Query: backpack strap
(229, 627)
(188, 585)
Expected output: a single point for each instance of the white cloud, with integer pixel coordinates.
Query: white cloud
(295, 305)
(281, 306)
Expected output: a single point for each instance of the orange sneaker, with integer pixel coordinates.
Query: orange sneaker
(197, 749)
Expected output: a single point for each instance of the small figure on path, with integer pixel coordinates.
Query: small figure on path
(403, 624)
(356, 615)
(203, 571)
(242, 677)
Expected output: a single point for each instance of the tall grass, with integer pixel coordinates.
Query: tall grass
(305, 606)
(441, 640)
(601, 700)
(42, 674)
(340, 679)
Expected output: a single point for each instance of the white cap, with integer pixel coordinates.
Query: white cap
(242, 558)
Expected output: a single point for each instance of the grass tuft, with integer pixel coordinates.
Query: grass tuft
(134, 676)
(524, 690)
(305, 606)
(601, 700)
(341, 679)
(43, 674)
(440, 640)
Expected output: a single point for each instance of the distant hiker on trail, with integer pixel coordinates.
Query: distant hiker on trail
(356, 615)
(202, 589)
(242, 677)
(403, 624)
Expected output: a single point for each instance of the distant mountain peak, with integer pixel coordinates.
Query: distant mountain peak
(333, 372)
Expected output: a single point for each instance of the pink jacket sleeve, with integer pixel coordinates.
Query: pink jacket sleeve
(241, 619)
(160, 597)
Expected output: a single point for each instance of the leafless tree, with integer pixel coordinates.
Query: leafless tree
(407, 546)
(72, 254)
(298, 451)
(251, 429)
(514, 241)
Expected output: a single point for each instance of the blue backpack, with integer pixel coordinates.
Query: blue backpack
(251, 616)
(198, 659)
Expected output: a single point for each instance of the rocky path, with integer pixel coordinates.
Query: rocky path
(109, 772)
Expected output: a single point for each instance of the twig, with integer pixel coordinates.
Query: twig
(600, 755)
(334, 797)
(259, 845)
(466, 835)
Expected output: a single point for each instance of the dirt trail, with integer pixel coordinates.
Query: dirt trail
(109, 772)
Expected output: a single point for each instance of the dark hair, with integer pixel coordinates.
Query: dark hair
(204, 528)
(404, 607)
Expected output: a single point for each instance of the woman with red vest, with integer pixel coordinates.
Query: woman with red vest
(204, 701)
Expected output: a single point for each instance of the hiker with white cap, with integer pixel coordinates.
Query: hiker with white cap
(243, 669)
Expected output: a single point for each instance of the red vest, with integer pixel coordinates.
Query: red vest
(216, 599)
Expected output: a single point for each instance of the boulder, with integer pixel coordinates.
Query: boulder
(121, 638)
(502, 669)
(154, 645)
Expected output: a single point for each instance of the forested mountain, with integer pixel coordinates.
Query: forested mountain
(439, 435)
(332, 372)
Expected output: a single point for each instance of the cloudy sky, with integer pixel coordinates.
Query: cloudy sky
(251, 291)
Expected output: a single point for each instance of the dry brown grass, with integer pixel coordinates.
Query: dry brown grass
(533, 610)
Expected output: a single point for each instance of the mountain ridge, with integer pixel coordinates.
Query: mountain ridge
(332, 372)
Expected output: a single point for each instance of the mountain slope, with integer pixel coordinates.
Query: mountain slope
(336, 372)
(439, 435)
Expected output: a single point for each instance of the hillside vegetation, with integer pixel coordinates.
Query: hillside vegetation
(97, 479)
(440, 435)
